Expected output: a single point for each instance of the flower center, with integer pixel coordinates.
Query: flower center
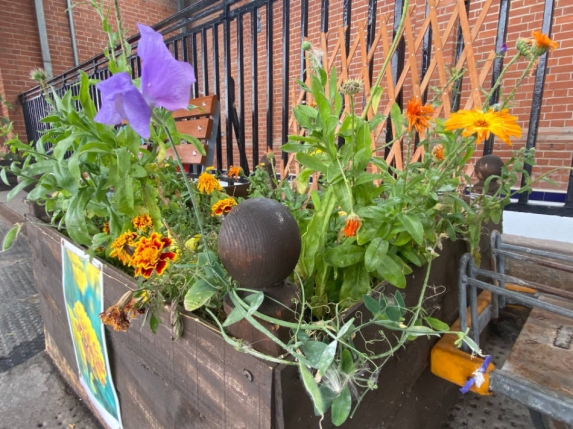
(481, 123)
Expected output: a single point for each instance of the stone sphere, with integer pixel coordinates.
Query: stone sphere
(488, 165)
(259, 243)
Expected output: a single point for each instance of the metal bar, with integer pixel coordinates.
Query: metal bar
(285, 75)
(255, 88)
(426, 55)
(205, 61)
(303, 35)
(569, 197)
(324, 16)
(520, 282)
(495, 242)
(229, 87)
(241, 94)
(457, 85)
(520, 298)
(371, 34)
(528, 251)
(537, 100)
(346, 20)
(543, 263)
(269, 43)
(176, 44)
(465, 262)
(195, 91)
(474, 310)
(217, 83)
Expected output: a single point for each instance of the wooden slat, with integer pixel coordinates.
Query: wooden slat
(471, 63)
(205, 106)
(188, 154)
(199, 128)
(438, 53)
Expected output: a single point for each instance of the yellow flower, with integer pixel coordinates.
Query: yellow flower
(122, 247)
(438, 152)
(142, 222)
(149, 256)
(223, 207)
(502, 124)
(418, 116)
(88, 346)
(105, 228)
(192, 243)
(207, 183)
(542, 43)
(234, 172)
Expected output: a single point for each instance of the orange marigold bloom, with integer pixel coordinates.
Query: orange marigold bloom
(418, 116)
(223, 206)
(148, 255)
(542, 43)
(122, 247)
(438, 152)
(353, 222)
(502, 124)
(234, 172)
(207, 183)
(105, 228)
(142, 222)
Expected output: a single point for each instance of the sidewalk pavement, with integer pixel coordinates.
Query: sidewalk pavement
(32, 392)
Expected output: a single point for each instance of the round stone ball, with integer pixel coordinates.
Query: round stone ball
(259, 243)
(488, 165)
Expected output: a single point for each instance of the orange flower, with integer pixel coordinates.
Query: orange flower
(207, 183)
(438, 152)
(223, 206)
(234, 172)
(502, 124)
(148, 255)
(353, 222)
(122, 247)
(117, 316)
(542, 43)
(418, 116)
(105, 228)
(142, 222)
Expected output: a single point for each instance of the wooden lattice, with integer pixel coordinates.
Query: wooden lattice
(410, 72)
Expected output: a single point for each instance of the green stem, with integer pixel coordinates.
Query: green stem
(499, 79)
(518, 84)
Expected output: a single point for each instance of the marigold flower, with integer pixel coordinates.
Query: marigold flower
(234, 172)
(142, 222)
(353, 222)
(438, 152)
(542, 43)
(418, 116)
(501, 123)
(117, 316)
(122, 247)
(207, 183)
(105, 228)
(148, 255)
(223, 206)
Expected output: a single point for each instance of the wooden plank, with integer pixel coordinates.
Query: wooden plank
(188, 154)
(199, 128)
(205, 106)
(438, 54)
(471, 63)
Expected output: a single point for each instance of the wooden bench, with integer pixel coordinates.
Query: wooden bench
(202, 122)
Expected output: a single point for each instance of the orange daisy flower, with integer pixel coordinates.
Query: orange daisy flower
(207, 183)
(223, 206)
(142, 222)
(353, 222)
(149, 256)
(122, 247)
(501, 124)
(234, 172)
(542, 43)
(418, 116)
(438, 152)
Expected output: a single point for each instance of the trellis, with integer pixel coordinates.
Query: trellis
(410, 72)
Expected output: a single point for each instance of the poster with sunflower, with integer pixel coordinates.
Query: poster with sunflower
(83, 293)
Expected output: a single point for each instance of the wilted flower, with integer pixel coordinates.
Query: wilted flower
(478, 376)
(501, 123)
(503, 48)
(418, 116)
(117, 316)
(39, 75)
(223, 206)
(165, 82)
(438, 152)
(207, 183)
(234, 172)
(353, 222)
(149, 256)
(192, 243)
(122, 247)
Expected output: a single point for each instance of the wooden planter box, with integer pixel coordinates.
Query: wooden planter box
(199, 381)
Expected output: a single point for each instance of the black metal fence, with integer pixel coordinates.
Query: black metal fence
(237, 47)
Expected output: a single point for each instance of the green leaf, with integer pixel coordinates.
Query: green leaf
(375, 96)
(341, 407)
(303, 115)
(302, 180)
(123, 161)
(254, 300)
(344, 255)
(371, 304)
(345, 328)
(414, 227)
(3, 176)
(96, 147)
(356, 283)
(313, 351)
(346, 362)
(238, 313)
(198, 295)
(123, 196)
(397, 119)
(62, 146)
(295, 147)
(389, 270)
(344, 196)
(327, 357)
(154, 323)
(312, 388)
(399, 300)
(393, 313)
(11, 236)
(377, 249)
(85, 98)
(75, 217)
(311, 162)
(18, 188)
(437, 324)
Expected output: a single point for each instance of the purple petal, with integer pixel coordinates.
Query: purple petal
(485, 364)
(466, 388)
(165, 81)
(137, 112)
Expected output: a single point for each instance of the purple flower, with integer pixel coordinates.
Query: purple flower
(165, 82)
(503, 49)
(478, 377)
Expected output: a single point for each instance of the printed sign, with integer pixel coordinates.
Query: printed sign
(83, 292)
